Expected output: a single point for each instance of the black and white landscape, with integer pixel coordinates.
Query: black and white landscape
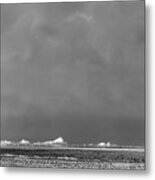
(59, 154)
(72, 85)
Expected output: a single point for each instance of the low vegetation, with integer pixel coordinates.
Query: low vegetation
(68, 158)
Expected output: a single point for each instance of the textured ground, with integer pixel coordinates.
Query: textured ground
(81, 159)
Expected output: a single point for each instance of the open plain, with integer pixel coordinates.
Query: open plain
(79, 158)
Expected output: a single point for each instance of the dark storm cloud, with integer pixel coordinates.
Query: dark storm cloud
(47, 30)
(66, 63)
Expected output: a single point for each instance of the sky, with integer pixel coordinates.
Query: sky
(74, 70)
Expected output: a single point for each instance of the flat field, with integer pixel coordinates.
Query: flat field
(79, 158)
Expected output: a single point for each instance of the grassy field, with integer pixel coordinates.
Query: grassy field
(73, 158)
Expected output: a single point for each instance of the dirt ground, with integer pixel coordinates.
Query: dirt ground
(36, 162)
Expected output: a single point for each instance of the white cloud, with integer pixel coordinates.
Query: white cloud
(23, 141)
(58, 140)
(78, 15)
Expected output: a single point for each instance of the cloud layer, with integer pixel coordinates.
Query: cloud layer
(64, 61)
